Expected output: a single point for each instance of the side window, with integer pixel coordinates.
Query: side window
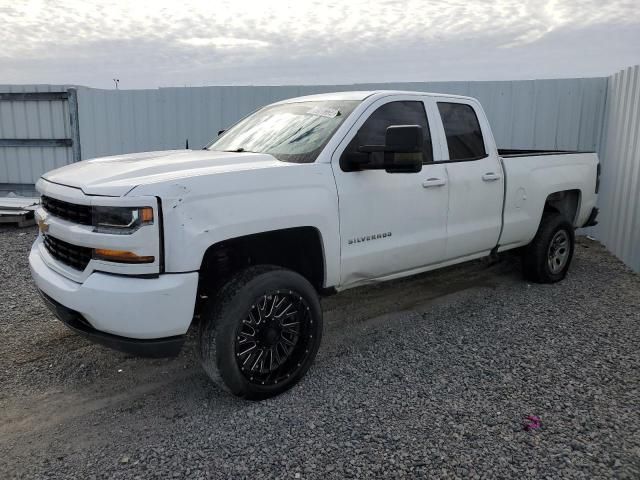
(462, 130)
(373, 130)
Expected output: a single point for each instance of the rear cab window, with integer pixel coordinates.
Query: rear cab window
(462, 130)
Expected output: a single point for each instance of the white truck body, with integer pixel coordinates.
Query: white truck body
(372, 225)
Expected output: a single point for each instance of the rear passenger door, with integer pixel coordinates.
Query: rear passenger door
(476, 184)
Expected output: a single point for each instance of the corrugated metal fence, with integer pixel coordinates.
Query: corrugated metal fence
(561, 113)
(575, 114)
(619, 227)
(38, 131)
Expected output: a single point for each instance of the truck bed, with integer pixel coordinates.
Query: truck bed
(532, 176)
(511, 152)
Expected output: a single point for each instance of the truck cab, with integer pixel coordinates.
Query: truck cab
(431, 216)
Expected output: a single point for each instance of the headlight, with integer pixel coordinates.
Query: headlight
(121, 220)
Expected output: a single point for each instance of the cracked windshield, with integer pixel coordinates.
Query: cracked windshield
(291, 132)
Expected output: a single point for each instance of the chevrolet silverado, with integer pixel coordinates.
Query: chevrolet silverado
(302, 198)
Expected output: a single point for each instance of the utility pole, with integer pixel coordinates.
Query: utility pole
(116, 81)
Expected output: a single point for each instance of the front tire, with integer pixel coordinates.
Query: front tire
(261, 332)
(547, 258)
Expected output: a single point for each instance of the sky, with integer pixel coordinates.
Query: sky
(149, 44)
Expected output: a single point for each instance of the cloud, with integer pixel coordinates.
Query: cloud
(224, 42)
(161, 43)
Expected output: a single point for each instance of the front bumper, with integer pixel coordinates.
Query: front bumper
(153, 348)
(119, 311)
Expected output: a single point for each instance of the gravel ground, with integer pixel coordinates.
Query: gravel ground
(424, 377)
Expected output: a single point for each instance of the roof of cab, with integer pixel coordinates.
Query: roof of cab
(363, 94)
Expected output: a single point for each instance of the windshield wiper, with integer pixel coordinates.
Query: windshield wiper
(237, 150)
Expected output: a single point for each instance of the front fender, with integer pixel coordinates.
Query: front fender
(202, 211)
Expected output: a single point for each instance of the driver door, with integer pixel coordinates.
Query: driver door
(390, 223)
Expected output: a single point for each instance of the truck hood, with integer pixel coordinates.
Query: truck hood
(115, 176)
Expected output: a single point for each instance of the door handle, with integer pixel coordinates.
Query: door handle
(490, 177)
(434, 182)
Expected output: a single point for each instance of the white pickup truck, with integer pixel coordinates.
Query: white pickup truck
(302, 198)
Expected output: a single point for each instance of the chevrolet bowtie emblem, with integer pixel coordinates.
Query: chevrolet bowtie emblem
(41, 219)
(42, 225)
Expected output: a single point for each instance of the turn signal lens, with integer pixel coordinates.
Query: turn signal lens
(121, 256)
(146, 214)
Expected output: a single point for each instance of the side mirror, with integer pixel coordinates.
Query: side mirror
(220, 132)
(401, 153)
(403, 139)
(403, 149)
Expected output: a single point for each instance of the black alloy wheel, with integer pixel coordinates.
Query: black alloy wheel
(260, 333)
(275, 337)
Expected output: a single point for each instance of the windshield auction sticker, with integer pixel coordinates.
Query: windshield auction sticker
(324, 112)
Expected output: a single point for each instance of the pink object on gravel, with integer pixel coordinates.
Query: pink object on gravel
(532, 422)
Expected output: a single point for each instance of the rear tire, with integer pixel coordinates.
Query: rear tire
(260, 333)
(547, 258)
